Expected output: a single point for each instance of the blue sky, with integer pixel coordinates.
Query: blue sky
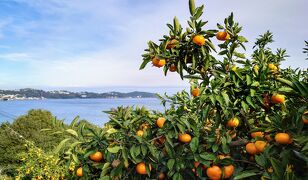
(98, 43)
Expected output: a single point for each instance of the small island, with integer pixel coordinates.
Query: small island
(36, 94)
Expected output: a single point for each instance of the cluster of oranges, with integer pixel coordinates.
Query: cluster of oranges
(96, 157)
(216, 172)
(197, 39)
(259, 145)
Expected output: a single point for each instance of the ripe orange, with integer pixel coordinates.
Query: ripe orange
(228, 36)
(257, 134)
(199, 40)
(139, 133)
(79, 172)
(158, 62)
(97, 156)
(228, 171)
(172, 68)
(160, 122)
(141, 168)
(155, 61)
(260, 145)
(305, 117)
(161, 176)
(251, 148)
(283, 138)
(161, 63)
(214, 172)
(185, 138)
(171, 44)
(278, 98)
(272, 67)
(195, 92)
(222, 35)
(234, 122)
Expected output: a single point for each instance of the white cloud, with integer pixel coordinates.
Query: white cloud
(16, 57)
(99, 43)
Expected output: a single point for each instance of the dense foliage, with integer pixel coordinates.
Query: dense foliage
(26, 145)
(25, 128)
(245, 117)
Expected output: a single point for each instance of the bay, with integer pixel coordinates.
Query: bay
(68, 109)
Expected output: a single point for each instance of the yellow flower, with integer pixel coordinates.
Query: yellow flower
(270, 169)
(289, 168)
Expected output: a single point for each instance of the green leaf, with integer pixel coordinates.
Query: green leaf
(285, 89)
(260, 159)
(226, 97)
(248, 79)
(245, 174)
(61, 144)
(239, 55)
(177, 176)
(277, 167)
(170, 163)
(75, 158)
(192, 7)
(72, 132)
(287, 82)
(194, 144)
(220, 26)
(249, 101)
(199, 12)
(114, 149)
(176, 24)
(252, 92)
(144, 63)
(213, 99)
(242, 39)
(73, 123)
(208, 156)
(225, 147)
(153, 150)
(223, 52)
(211, 45)
(245, 106)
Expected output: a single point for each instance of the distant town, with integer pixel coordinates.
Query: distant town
(36, 94)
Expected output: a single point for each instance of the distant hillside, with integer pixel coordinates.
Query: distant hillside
(63, 94)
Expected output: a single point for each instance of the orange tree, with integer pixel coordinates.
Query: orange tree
(245, 117)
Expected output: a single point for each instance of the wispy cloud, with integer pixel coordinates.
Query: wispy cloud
(99, 43)
(16, 57)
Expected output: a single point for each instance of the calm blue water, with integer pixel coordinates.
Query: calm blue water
(68, 109)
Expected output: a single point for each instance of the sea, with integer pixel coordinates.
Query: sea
(67, 109)
(88, 109)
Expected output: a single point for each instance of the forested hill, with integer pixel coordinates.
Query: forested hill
(62, 94)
